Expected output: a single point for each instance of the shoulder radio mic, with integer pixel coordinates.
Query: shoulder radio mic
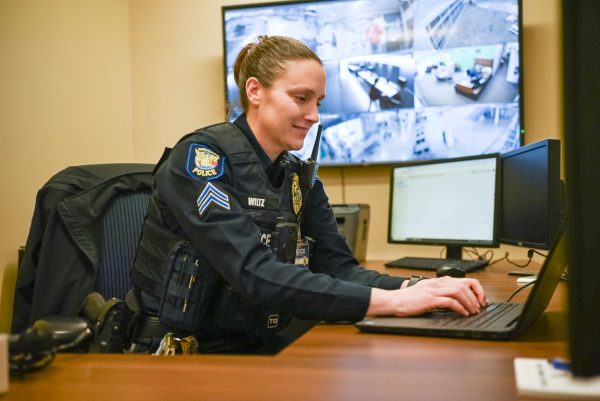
(308, 172)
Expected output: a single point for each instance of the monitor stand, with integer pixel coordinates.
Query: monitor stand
(453, 252)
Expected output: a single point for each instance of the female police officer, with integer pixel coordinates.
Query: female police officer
(228, 211)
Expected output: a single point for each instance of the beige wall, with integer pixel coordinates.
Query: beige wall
(65, 99)
(91, 81)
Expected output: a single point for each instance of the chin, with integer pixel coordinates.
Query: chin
(297, 145)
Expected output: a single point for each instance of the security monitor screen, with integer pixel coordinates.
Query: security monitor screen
(445, 202)
(406, 79)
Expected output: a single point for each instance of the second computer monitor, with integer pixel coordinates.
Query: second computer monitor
(452, 202)
(531, 194)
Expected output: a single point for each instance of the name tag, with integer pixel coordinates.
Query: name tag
(256, 202)
(302, 252)
(259, 202)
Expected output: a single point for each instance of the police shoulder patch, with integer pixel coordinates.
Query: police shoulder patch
(204, 163)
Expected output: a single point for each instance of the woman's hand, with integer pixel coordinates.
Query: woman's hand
(462, 295)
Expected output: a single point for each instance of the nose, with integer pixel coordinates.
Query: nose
(312, 114)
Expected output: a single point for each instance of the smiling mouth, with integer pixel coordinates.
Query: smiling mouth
(305, 129)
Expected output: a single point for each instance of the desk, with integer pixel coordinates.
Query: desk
(331, 362)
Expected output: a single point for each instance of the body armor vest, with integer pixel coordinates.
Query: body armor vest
(191, 292)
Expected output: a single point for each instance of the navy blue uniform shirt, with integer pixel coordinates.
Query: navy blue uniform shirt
(334, 287)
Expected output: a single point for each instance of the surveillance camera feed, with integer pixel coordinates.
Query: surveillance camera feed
(406, 79)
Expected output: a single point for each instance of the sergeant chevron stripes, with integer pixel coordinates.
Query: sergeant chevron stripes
(211, 194)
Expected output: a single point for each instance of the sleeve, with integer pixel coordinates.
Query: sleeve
(206, 207)
(332, 256)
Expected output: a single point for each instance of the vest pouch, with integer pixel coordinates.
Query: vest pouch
(188, 289)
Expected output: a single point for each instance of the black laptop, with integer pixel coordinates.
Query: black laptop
(499, 321)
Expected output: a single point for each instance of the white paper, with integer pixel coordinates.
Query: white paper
(537, 377)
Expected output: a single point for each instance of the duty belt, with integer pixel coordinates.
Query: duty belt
(149, 333)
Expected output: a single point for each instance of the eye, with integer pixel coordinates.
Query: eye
(301, 98)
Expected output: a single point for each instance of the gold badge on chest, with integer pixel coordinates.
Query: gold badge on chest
(296, 194)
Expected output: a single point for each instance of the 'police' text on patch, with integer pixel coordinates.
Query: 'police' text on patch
(204, 163)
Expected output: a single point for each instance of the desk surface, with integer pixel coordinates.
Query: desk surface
(330, 362)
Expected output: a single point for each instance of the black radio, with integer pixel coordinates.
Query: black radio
(283, 241)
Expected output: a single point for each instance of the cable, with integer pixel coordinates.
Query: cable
(517, 264)
(518, 290)
(472, 252)
(530, 254)
(532, 251)
(505, 257)
(487, 255)
(498, 260)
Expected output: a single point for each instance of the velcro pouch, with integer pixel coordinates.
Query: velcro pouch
(188, 290)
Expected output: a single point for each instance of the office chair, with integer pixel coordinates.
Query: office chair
(121, 227)
(82, 239)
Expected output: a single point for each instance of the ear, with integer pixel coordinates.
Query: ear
(253, 91)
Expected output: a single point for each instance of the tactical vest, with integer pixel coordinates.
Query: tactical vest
(192, 293)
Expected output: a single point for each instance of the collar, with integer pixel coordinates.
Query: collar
(242, 123)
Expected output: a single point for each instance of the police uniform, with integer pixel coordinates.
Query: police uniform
(218, 201)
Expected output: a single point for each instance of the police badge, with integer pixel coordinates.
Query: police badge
(296, 194)
(203, 162)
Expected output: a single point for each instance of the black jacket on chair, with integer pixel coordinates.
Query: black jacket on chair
(63, 249)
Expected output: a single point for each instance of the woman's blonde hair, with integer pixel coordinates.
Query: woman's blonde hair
(265, 59)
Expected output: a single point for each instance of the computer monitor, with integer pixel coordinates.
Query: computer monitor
(582, 147)
(531, 195)
(451, 202)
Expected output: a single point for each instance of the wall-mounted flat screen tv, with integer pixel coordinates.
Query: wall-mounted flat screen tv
(406, 79)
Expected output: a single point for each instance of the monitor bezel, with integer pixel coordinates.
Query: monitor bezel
(328, 165)
(553, 186)
(493, 243)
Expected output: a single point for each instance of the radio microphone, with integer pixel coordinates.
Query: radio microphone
(308, 172)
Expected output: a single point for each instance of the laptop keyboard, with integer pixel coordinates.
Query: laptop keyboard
(483, 319)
